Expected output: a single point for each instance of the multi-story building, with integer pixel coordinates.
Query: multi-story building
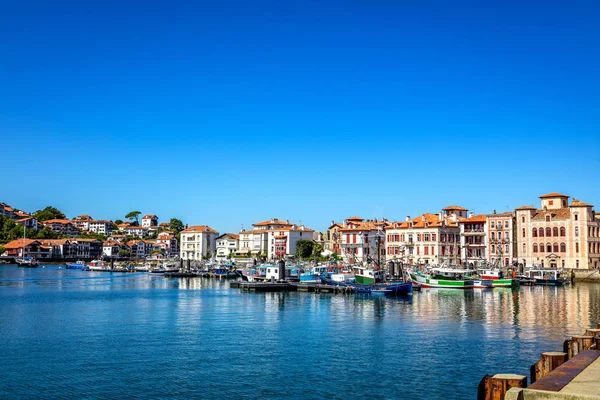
(197, 242)
(62, 226)
(168, 242)
(57, 248)
(427, 239)
(140, 248)
(363, 241)
(82, 222)
(22, 248)
(138, 231)
(473, 239)
(29, 222)
(86, 248)
(333, 238)
(501, 239)
(111, 249)
(149, 220)
(102, 226)
(7, 211)
(274, 238)
(558, 234)
(227, 244)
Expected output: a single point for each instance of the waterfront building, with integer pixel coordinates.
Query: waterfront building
(558, 234)
(473, 239)
(111, 249)
(62, 226)
(22, 248)
(56, 248)
(501, 239)
(363, 242)
(85, 248)
(427, 239)
(149, 220)
(140, 248)
(273, 238)
(102, 226)
(333, 237)
(29, 222)
(226, 245)
(198, 242)
(168, 242)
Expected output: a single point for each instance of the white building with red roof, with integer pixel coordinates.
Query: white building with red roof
(274, 237)
(149, 220)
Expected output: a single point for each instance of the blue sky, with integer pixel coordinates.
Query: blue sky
(227, 113)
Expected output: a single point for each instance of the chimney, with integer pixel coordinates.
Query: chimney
(440, 216)
(407, 218)
(423, 217)
(332, 222)
(470, 214)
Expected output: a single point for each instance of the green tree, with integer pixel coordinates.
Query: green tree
(2, 249)
(134, 216)
(118, 222)
(158, 251)
(305, 248)
(175, 225)
(124, 253)
(49, 213)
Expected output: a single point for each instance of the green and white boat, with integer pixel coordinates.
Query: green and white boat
(447, 278)
(367, 276)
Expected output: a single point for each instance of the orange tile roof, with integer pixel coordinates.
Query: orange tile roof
(22, 214)
(291, 228)
(452, 208)
(149, 216)
(577, 203)
(19, 243)
(355, 218)
(23, 219)
(273, 221)
(54, 242)
(526, 208)
(559, 213)
(231, 235)
(553, 194)
(200, 228)
(57, 221)
(503, 215)
(475, 218)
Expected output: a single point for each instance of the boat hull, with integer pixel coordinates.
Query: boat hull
(428, 282)
(393, 288)
(364, 280)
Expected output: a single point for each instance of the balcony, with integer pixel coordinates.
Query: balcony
(410, 243)
(473, 232)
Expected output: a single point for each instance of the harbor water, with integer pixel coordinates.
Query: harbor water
(74, 334)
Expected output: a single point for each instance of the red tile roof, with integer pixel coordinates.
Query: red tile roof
(577, 203)
(475, 218)
(58, 221)
(273, 221)
(553, 194)
(453, 208)
(147, 216)
(526, 208)
(355, 218)
(19, 243)
(200, 228)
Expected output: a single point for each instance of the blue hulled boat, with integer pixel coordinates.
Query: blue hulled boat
(77, 265)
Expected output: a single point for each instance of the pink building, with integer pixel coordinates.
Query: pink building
(501, 243)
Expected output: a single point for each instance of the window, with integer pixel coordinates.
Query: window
(492, 225)
(523, 232)
(541, 232)
(534, 232)
(523, 219)
(499, 235)
(493, 236)
(563, 248)
(555, 247)
(576, 247)
(427, 237)
(576, 217)
(433, 238)
(550, 202)
(493, 249)
(535, 248)
(548, 248)
(426, 251)
(432, 251)
(547, 218)
(506, 224)
(562, 231)
(507, 249)
(577, 263)
(576, 231)
(548, 232)
(541, 248)
(555, 232)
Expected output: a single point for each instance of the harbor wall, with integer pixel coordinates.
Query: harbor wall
(588, 275)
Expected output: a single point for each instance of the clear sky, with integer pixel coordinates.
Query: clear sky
(230, 112)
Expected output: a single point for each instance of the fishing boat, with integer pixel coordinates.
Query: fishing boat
(77, 265)
(497, 277)
(374, 281)
(96, 265)
(164, 268)
(547, 277)
(313, 275)
(448, 278)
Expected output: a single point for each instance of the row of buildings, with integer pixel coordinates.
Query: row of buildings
(562, 232)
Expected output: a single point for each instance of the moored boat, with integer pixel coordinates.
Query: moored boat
(547, 277)
(77, 265)
(444, 278)
(96, 265)
(27, 262)
(497, 277)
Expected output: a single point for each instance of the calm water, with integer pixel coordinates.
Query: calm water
(73, 334)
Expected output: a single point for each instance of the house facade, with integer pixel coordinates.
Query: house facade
(168, 242)
(103, 226)
(62, 226)
(363, 241)
(559, 234)
(29, 222)
(473, 240)
(197, 242)
(501, 243)
(149, 220)
(226, 245)
(273, 238)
